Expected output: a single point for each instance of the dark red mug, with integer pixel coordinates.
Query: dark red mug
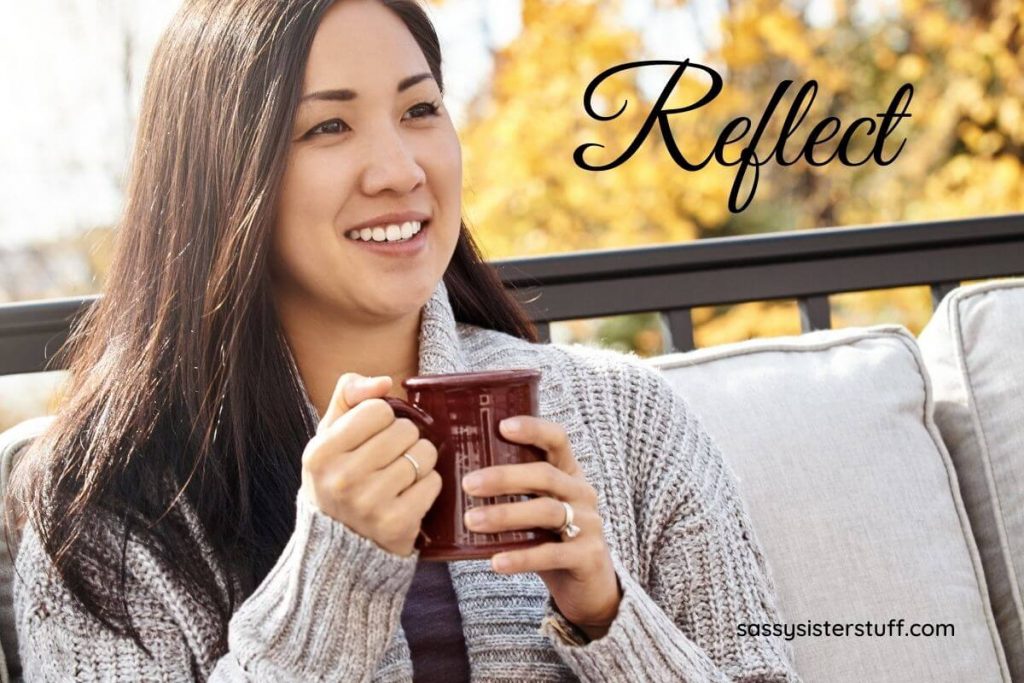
(459, 413)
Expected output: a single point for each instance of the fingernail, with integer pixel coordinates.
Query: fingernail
(473, 481)
(474, 517)
(511, 424)
(499, 562)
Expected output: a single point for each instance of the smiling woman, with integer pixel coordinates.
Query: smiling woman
(224, 494)
(373, 149)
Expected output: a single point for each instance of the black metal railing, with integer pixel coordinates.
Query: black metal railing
(673, 279)
(804, 265)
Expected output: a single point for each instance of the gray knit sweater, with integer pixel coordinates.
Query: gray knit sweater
(689, 564)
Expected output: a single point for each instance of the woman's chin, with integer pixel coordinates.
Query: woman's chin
(395, 300)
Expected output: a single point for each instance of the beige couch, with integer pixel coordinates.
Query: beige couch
(885, 478)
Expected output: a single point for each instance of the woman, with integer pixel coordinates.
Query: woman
(214, 502)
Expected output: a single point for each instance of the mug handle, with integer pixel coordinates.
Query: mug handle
(425, 423)
(420, 417)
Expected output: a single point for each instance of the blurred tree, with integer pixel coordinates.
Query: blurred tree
(963, 155)
(522, 186)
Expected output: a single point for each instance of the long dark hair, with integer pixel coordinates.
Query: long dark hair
(169, 369)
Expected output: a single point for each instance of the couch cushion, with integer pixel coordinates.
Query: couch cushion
(973, 348)
(853, 498)
(12, 442)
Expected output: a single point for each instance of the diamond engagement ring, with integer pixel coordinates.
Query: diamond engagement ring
(414, 464)
(568, 528)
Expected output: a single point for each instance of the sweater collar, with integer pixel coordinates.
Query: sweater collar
(441, 349)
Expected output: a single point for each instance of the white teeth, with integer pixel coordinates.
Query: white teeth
(386, 233)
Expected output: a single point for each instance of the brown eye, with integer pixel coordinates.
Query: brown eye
(426, 109)
(420, 111)
(327, 127)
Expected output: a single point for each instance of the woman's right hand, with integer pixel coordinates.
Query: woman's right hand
(354, 472)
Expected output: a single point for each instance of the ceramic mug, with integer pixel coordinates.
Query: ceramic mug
(459, 413)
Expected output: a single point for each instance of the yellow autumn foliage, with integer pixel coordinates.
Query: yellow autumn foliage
(963, 155)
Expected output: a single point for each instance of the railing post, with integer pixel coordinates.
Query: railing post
(679, 322)
(543, 331)
(940, 290)
(815, 313)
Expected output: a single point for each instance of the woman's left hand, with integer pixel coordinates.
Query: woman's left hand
(578, 572)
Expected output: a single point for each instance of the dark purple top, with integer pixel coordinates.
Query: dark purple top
(433, 626)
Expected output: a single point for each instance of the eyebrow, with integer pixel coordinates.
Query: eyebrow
(344, 94)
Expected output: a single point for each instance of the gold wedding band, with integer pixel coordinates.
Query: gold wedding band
(415, 464)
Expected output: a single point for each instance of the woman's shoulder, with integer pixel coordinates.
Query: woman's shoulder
(38, 588)
(591, 374)
(108, 556)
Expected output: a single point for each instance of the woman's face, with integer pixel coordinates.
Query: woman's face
(358, 156)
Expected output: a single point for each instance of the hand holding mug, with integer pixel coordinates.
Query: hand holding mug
(459, 413)
(355, 470)
(578, 571)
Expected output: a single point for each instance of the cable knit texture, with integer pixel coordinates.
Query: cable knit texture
(688, 562)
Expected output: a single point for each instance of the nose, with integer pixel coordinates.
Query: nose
(391, 164)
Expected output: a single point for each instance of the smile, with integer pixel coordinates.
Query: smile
(396, 232)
